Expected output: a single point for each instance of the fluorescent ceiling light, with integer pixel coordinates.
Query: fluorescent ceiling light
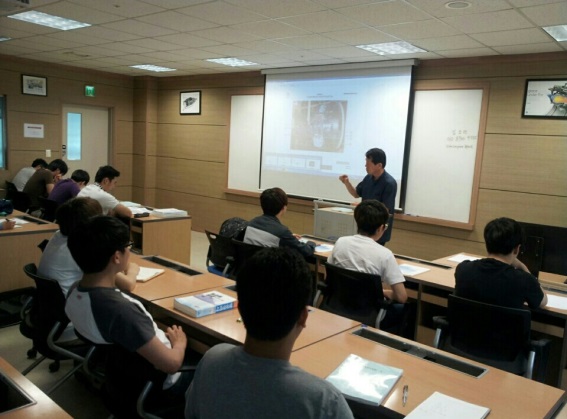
(232, 62)
(391, 48)
(44, 19)
(4, 38)
(559, 32)
(151, 67)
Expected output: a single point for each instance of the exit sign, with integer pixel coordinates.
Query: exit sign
(90, 91)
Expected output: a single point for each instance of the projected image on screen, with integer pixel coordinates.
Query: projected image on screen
(318, 125)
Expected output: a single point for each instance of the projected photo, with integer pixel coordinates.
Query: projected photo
(545, 99)
(318, 125)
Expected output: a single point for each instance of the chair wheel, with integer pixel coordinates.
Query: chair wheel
(54, 366)
(32, 354)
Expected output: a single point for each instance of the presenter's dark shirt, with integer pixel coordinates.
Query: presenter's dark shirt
(494, 282)
(383, 189)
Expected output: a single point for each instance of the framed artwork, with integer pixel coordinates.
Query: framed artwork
(33, 85)
(190, 103)
(545, 99)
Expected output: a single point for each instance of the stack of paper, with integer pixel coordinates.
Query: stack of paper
(364, 380)
(169, 212)
(440, 406)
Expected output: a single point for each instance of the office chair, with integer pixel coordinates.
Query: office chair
(46, 321)
(21, 200)
(243, 251)
(356, 295)
(220, 255)
(47, 208)
(10, 191)
(494, 335)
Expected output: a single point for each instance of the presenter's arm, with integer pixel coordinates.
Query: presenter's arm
(122, 211)
(126, 281)
(351, 189)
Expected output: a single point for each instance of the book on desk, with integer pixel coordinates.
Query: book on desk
(364, 380)
(441, 406)
(146, 273)
(205, 304)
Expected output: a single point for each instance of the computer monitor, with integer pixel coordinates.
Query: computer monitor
(545, 248)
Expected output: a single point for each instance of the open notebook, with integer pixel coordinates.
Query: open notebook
(146, 274)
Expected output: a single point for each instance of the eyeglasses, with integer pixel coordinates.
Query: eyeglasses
(386, 226)
(128, 245)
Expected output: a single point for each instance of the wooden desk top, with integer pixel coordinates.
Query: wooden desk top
(507, 395)
(172, 283)
(153, 218)
(34, 226)
(44, 406)
(226, 326)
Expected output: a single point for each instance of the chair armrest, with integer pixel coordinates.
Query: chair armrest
(441, 322)
(542, 348)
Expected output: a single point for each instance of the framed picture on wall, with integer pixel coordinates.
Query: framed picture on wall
(545, 99)
(33, 85)
(190, 103)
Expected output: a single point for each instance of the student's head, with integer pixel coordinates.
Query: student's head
(502, 236)
(106, 177)
(273, 200)
(76, 212)
(81, 177)
(58, 167)
(369, 215)
(273, 288)
(375, 161)
(39, 163)
(95, 242)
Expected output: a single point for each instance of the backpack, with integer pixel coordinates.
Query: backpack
(234, 228)
(6, 207)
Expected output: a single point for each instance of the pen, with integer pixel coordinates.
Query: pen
(405, 395)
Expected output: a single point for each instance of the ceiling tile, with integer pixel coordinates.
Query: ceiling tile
(270, 29)
(9, 48)
(264, 46)
(127, 48)
(319, 22)
(176, 21)
(447, 43)
(422, 29)
(311, 42)
(154, 44)
(548, 15)
(518, 37)
(344, 52)
(527, 49)
(124, 8)
(278, 8)
(221, 13)
(468, 52)
(226, 35)
(77, 36)
(138, 28)
(7, 23)
(228, 50)
(488, 22)
(107, 33)
(78, 12)
(361, 36)
(187, 40)
(387, 13)
(437, 7)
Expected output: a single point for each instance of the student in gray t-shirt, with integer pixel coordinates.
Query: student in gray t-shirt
(257, 380)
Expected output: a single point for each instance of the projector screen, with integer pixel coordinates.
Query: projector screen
(318, 126)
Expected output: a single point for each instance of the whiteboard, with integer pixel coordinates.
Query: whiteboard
(245, 142)
(443, 153)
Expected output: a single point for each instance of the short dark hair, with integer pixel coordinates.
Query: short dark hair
(273, 200)
(106, 172)
(93, 243)
(76, 212)
(377, 155)
(273, 288)
(503, 235)
(81, 176)
(39, 162)
(369, 215)
(58, 164)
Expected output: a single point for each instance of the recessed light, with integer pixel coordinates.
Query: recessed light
(151, 67)
(559, 32)
(231, 62)
(391, 48)
(458, 5)
(51, 21)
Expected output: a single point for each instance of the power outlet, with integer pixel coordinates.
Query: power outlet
(47, 153)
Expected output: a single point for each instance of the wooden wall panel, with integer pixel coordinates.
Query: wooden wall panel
(191, 176)
(525, 163)
(193, 142)
(215, 108)
(123, 135)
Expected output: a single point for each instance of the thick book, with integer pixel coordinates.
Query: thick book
(440, 406)
(146, 274)
(205, 304)
(169, 212)
(364, 380)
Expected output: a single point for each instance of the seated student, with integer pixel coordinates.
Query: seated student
(501, 278)
(43, 180)
(56, 261)
(104, 315)
(26, 173)
(257, 380)
(69, 188)
(105, 181)
(362, 253)
(267, 229)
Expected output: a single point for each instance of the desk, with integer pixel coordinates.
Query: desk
(19, 247)
(172, 283)
(226, 327)
(507, 395)
(43, 407)
(164, 236)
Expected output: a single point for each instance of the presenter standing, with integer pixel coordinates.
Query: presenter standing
(377, 184)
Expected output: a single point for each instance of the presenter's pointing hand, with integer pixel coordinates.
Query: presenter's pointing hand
(343, 178)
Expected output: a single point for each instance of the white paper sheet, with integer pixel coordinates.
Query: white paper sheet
(556, 301)
(411, 270)
(461, 258)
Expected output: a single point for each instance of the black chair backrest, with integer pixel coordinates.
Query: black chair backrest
(10, 191)
(21, 200)
(243, 252)
(352, 294)
(220, 248)
(48, 208)
(48, 307)
(488, 332)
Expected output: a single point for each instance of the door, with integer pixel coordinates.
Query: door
(86, 138)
